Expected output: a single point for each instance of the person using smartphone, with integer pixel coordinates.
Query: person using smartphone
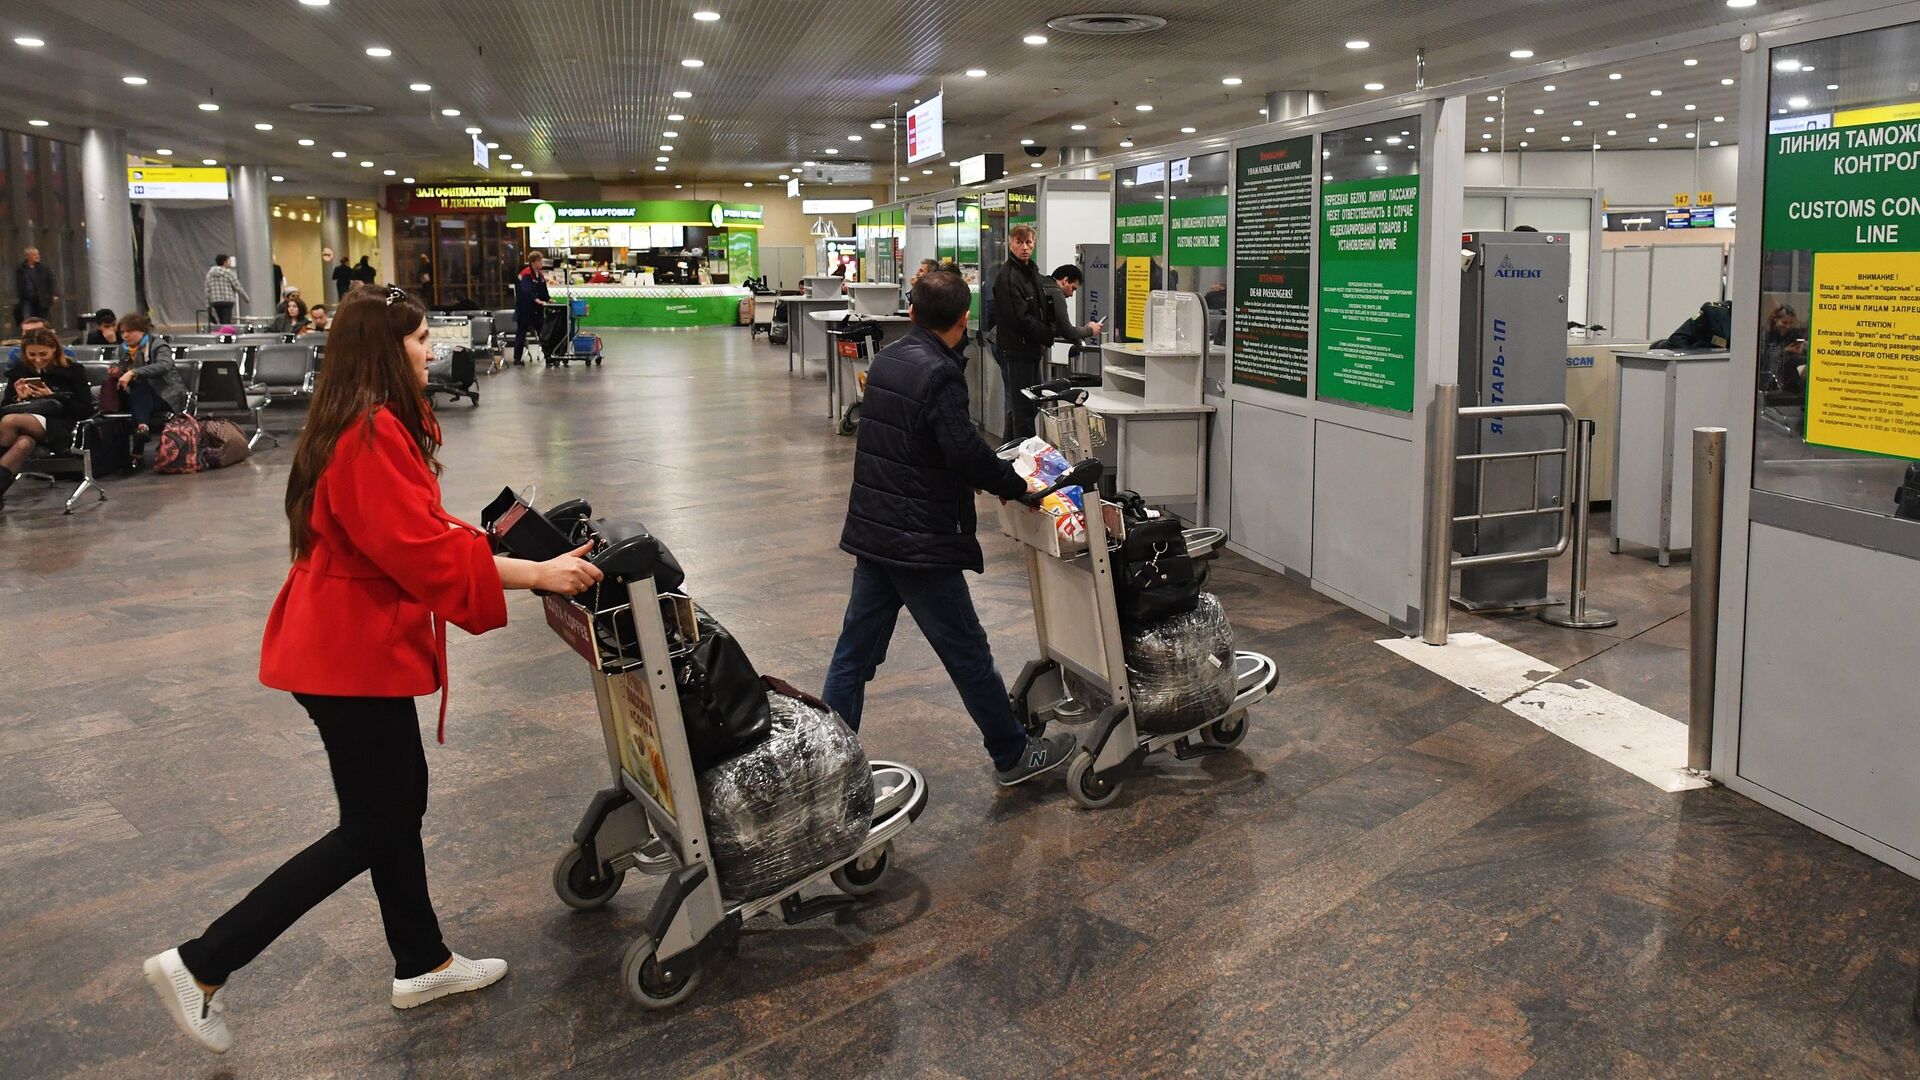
(46, 395)
(372, 547)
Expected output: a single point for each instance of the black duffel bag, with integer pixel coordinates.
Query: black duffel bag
(1152, 572)
(722, 700)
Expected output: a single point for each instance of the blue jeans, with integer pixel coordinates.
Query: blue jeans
(940, 604)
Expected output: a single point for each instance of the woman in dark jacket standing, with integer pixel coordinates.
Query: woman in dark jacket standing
(372, 547)
(529, 292)
(46, 394)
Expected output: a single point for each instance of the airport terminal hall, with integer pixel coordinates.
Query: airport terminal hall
(958, 539)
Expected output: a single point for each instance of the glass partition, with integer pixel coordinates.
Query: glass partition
(1838, 395)
(1139, 251)
(1197, 246)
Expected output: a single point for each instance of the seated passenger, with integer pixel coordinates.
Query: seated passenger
(106, 328)
(317, 321)
(30, 323)
(292, 318)
(142, 381)
(46, 394)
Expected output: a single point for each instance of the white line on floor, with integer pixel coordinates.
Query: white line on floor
(1625, 733)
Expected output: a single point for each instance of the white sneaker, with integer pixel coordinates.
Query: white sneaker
(196, 1011)
(457, 977)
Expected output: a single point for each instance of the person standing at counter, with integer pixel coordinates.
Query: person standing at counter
(1066, 282)
(529, 292)
(1023, 321)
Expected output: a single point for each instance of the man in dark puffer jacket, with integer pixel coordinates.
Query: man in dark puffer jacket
(910, 527)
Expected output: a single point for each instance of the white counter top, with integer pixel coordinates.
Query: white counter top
(663, 292)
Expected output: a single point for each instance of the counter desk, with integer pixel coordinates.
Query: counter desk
(656, 307)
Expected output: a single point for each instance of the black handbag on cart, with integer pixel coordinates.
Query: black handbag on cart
(1153, 574)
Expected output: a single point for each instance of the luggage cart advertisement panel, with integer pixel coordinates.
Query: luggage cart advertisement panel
(640, 752)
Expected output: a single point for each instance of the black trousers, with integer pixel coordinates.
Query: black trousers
(1016, 374)
(380, 776)
(522, 324)
(221, 312)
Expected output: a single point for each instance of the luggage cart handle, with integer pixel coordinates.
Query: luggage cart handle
(1085, 475)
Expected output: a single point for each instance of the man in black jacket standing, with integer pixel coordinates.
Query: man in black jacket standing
(910, 527)
(33, 284)
(1023, 322)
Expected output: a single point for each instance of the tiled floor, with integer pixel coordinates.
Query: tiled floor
(1394, 878)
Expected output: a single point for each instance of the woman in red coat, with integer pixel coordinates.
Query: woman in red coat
(358, 632)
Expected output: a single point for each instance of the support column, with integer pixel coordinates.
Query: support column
(1293, 104)
(109, 222)
(252, 238)
(1079, 155)
(333, 234)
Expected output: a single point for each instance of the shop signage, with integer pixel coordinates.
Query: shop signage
(1846, 194)
(643, 212)
(1137, 228)
(924, 138)
(1369, 277)
(455, 198)
(1272, 264)
(1198, 232)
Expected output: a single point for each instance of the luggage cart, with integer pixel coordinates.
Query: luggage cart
(651, 818)
(854, 342)
(560, 338)
(1077, 618)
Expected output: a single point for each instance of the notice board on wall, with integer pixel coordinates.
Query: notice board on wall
(1369, 279)
(1272, 264)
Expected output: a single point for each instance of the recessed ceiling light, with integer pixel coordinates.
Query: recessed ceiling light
(1035, 39)
(1393, 140)
(1036, 164)
(164, 152)
(1833, 86)
(1796, 102)
(662, 168)
(904, 179)
(1653, 138)
(707, 16)
(1143, 107)
(1079, 127)
(37, 123)
(1610, 131)
(1379, 168)
(1726, 82)
(1484, 149)
(1523, 144)
(749, 183)
(1486, 119)
(1188, 130)
(1374, 86)
(690, 62)
(666, 146)
(675, 117)
(1126, 144)
(473, 131)
(1633, 116)
(208, 106)
(1263, 112)
(833, 150)
(278, 179)
(133, 80)
(1691, 108)
(976, 73)
(1359, 44)
(1662, 127)
(379, 52)
(783, 176)
(1486, 134)
(1232, 80)
(263, 127)
(493, 146)
(1741, 3)
(683, 94)
(1493, 97)
(1692, 135)
(366, 164)
(449, 112)
(1713, 142)
(1521, 54)
(1026, 142)
(855, 138)
(388, 172)
(669, 134)
(419, 87)
(1595, 101)
(1690, 62)
(1531, 130)
(926, 172)
(406, 179)
(316, 3)
(306, 142)
(339, 153)
(1549, 88)
(1782, 112)
(1566, 138)
(1579, 123)
(1539, 112)
(878, 125)
(1787, 65)
(1613, 75)
(28, 42)
(663, 158)
(807, 164)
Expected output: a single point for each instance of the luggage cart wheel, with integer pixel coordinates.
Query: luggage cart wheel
(648, 985)
(573, 882)
(1228, 731)
(1087, 787)
(862, 875)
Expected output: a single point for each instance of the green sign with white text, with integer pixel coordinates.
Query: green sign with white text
(1844, 189)
(1369, 277)
(1198, 232)
(1137, 228)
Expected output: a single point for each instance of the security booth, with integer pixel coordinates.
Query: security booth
(1821, 546)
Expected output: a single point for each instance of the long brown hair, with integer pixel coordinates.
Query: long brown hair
(42, 338)
(366, 370)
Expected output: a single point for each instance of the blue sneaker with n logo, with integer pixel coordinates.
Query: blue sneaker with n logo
(1041, 755)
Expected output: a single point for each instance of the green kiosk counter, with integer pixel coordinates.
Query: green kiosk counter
(727, 233)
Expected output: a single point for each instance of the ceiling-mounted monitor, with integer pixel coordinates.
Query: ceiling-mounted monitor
(194, 182)
(924, 140)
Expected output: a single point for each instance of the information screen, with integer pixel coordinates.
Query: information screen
(924, 139)
(177, 183)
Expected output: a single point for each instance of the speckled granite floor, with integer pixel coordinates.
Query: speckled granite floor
(1393, 878)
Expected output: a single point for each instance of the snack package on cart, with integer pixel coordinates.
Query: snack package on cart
(1040, 464)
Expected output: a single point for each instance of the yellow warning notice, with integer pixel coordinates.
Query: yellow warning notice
(1863, 352)
(1139, 283)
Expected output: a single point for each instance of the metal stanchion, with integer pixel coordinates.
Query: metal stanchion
(1574, 613)
(1437, 567)
(1709, 496)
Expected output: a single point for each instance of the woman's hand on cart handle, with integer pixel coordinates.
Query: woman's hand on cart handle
(566, 575)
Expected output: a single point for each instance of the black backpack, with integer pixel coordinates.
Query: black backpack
(1153, 574)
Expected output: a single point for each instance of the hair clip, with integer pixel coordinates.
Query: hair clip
(395, 292)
